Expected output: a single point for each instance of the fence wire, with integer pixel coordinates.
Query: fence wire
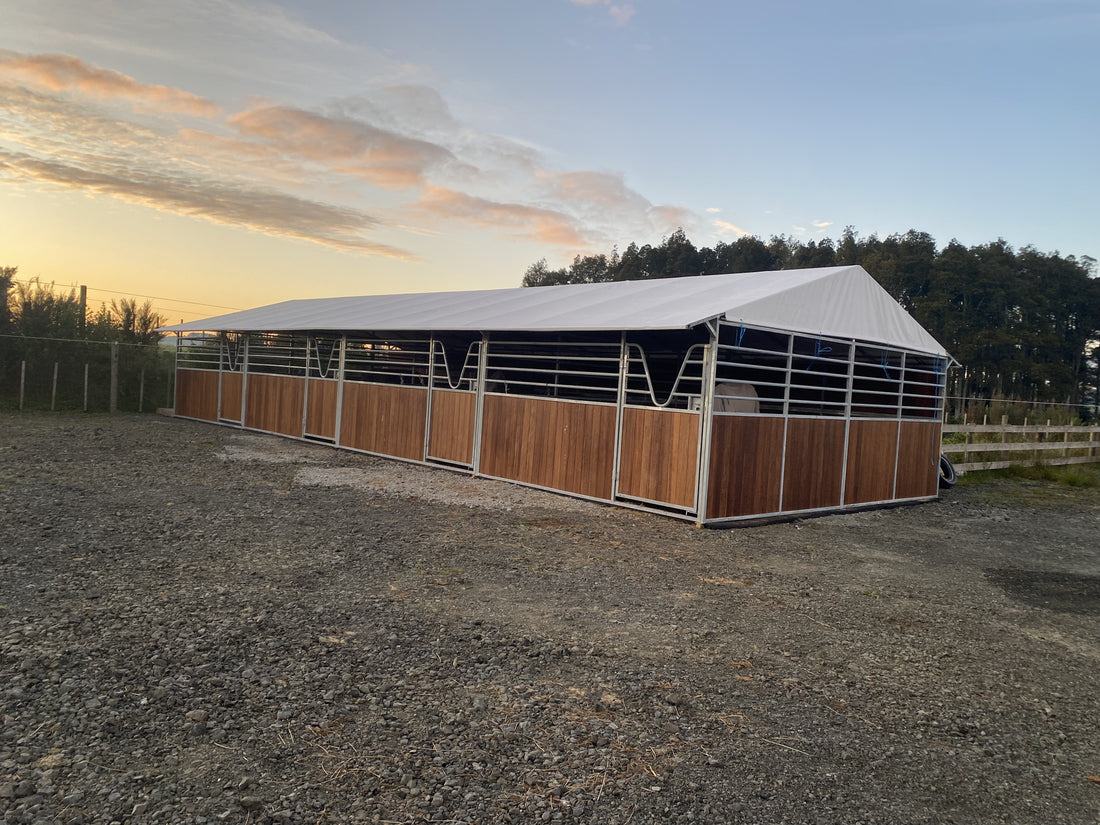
(73, 375)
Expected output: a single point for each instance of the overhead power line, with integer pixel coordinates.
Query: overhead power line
(160, 298)
(134, 295)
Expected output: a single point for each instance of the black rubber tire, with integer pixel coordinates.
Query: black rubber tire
(947, 473)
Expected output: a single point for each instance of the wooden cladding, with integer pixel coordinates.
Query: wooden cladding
(918, 459)
(746, 457)
(872, 446)
(451, 437)
(659, 456)
(385, 419)
(561, 445)
(274, 403)
(321, 408)
(814, 465)
(197, 394)
(232, 387)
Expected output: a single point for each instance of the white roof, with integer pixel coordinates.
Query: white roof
(842, 301)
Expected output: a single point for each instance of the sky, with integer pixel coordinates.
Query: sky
(216, 154)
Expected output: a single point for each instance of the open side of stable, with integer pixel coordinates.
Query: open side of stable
(720, 422)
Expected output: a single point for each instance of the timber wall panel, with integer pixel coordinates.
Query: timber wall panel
(872, 449)
(658, 459)
(321, 408)
(197, 394)
(384, 419)
(918, 459)
(231, 396)
(746, 460)
(274, 403)
(814, 467)
(560, 445)
(452, 429)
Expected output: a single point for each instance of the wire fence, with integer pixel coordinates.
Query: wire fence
(41, 374)
(1010, 411)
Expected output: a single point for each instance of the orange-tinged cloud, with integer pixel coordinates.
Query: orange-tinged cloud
(601, 189)
(262, 210)
(351, 147)
(726, 228)
(60, 72)
(545, 225)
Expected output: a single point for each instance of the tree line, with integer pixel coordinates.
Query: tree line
(1022, 323)
(32, 309)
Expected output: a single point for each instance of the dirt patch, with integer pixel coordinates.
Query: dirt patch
(1051, 590)
(203, 625)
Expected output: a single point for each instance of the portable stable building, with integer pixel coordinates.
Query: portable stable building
(714, 399)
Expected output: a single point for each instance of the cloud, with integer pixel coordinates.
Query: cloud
(546, 225)
(668, 218)
(713, 210)
(408, 108)
(263, 210)
(725, 228)
(601, 190)
(620, 13)
(308, 174)
(59, 72)
(822, 224)
(609, 208)
(353, 147)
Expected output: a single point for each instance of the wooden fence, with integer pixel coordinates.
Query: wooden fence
(995, 446)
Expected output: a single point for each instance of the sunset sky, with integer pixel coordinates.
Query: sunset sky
(233, 153)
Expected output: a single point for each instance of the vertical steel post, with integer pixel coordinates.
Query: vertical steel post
(223, 356)
(620, 401)
(113, 403)
(244, 374)
(340, 387)
(431, 389)
(847, 421)
(479, 409)
(305, 389)
(22, 381)
(53, 389)
(706, 410)
(786, 417)
(901, 416)
(141, 392)
(85, 388)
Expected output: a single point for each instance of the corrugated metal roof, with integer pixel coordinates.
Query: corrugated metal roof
(838, 301)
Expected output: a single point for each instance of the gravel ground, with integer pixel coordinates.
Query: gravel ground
(203, 625)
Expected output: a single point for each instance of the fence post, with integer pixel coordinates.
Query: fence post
(1065, 450)
(141, 392)
(22, 382)
(113, 404)
(53, 389)
(85, 388)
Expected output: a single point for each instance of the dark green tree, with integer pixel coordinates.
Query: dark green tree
(1023, 324)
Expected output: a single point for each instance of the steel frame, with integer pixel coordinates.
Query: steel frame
(562, 370)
